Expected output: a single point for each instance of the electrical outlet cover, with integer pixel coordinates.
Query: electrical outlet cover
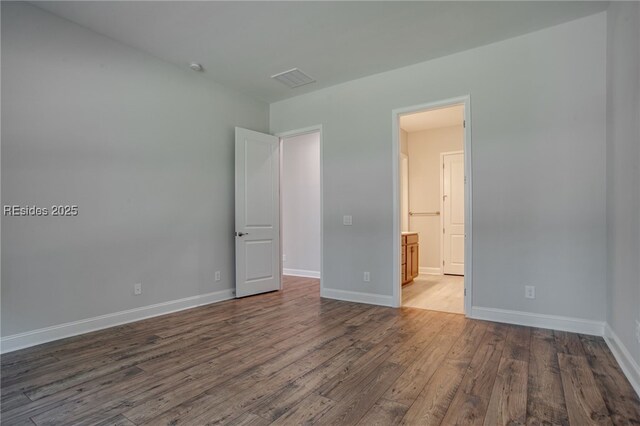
(529, 292)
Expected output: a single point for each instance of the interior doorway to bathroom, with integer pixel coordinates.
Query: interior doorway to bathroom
(432, 208)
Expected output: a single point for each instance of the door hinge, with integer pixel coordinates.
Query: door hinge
(443, 263)
(464, 123)
(465, 291)
(443, 230)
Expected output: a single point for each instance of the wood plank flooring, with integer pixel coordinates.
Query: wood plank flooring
(290, 358)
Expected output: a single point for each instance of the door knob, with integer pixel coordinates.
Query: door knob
(240, 234)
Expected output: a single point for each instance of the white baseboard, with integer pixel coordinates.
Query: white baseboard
(554, 322)
(629, 366)
(301, 273)
(61, 331)
(428, 270)
(354, 296)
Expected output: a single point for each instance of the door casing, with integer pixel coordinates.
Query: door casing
(396, 282)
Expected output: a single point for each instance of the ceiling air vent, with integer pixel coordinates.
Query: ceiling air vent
(293, 78)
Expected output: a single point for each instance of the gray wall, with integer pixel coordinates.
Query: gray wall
(146, 151)
(623, 174)
(300, 192)
(144, 148)
(538, 116)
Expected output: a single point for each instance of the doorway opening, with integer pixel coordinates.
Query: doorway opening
(433, 206)
(300, 198)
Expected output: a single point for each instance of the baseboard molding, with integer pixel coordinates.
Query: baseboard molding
(61, 331)
(429, 270)
(301, 273)
(354, 296)
(629, 366)
(553, 322)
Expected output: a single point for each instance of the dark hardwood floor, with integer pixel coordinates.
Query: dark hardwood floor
(293, 358)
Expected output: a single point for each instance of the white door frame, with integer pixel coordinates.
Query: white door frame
(300, 132)
(395, 171)
(403, 157)
(442, 155)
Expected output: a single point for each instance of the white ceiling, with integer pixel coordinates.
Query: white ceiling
(242, 44)
(433, 119)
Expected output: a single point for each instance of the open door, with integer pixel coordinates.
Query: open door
(257, 212)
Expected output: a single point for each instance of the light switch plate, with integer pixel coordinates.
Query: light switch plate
(347, 220)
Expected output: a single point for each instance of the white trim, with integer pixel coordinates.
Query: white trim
(406, 214)
(441, 218)
(299, 132)
(429, 270)
(468, 210)
(354, 296)
(530, 319)
(69, 329)
(301, 273)
(629, 366)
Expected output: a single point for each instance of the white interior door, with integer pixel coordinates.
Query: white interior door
(453, 213)
(257, 212)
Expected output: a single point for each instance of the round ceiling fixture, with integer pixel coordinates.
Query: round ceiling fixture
(196, 67)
